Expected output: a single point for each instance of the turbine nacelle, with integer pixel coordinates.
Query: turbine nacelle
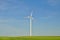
(30, 17)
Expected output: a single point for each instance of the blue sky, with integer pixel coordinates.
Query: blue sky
(46, 15)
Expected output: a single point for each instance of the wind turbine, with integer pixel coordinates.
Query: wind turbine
(30, 18)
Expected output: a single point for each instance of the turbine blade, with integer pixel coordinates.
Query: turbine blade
(27, 17)
(31, 13)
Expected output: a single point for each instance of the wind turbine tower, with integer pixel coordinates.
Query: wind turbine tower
(31, 24)
(30, 18)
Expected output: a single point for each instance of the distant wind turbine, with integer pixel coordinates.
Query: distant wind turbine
(30, 18)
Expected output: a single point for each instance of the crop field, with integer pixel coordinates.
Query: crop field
(31, 38)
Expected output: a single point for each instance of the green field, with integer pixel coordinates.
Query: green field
(31, 38)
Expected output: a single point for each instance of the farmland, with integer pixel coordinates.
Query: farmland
(31, 38)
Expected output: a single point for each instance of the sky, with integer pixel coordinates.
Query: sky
(46, 14)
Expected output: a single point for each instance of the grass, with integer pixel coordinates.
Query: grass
(31, 38)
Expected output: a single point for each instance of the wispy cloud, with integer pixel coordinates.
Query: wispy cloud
(3, 5)
(53, 2)
(49, 14)
(6, 29)
(11, 4)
